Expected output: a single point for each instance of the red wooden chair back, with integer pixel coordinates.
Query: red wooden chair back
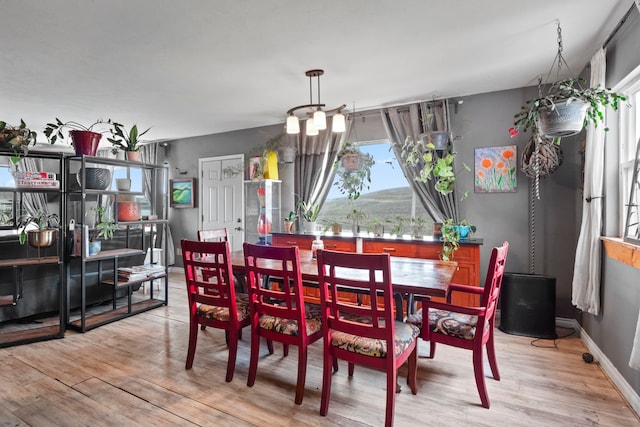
(278, 310)
(213, 301)
(214, 235)
(365, 334)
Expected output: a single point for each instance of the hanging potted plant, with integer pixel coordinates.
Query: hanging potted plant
(565, 110)
(283, 145)
(129, 142)
(85, 139)
(353, 169)
(19, 138)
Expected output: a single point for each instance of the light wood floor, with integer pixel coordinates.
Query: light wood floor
(132, 373)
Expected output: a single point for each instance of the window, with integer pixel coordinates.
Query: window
(629, 135)
(389, 200)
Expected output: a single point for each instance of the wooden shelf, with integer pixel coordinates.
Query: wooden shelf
(95, 320)
(30, 335)
(113, 253)
(29, 261)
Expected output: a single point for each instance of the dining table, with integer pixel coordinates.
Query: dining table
(410, 277)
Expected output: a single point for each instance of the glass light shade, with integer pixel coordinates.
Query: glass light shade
(320, 119)
(293, 124)
(338, 124)
(311, 129)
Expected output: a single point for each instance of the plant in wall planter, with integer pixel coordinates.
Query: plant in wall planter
(353, 169)
(85, 139)
(39, 229)
(309, 215)
(129, 142)
(19, 138)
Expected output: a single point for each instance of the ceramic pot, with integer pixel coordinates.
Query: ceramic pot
(85, 142)
(289, 226)
(128, 210)
(123, 184)
(133, 156)
(95, 247)
(97, 178)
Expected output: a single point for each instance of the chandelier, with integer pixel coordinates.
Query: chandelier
(317, 117)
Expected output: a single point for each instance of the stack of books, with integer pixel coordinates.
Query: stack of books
(36, 179)
(140, 272)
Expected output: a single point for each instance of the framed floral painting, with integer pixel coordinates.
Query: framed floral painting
(496, 169)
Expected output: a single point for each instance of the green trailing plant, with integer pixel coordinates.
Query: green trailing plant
(353, 180)
(54, 130)
(40, 219)
(567, 91)
(308, 211)
(126, 141)
(451, 237)
(19, 137)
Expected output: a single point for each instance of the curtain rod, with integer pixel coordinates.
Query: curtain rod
(619, 25)
(376, 110)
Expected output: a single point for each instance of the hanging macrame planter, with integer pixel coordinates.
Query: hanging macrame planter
(548, 158)
(565, 118)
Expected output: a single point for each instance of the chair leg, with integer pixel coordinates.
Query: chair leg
(432, 349)
(253, 363)
(269, 346)
(285, 349)
(391, 397)
(203, 327)
(226, 337)
(302, 372)
(351, 369)
(479, 373)
(335, 365)
(329, 362)
(491, 355)
(193, 339)
(233, 351)
(412, 373)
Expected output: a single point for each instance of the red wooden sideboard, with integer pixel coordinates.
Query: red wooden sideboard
(468, 256)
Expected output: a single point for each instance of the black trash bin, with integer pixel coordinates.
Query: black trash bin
(528, 305)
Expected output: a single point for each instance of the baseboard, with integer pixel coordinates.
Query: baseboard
(618, 380)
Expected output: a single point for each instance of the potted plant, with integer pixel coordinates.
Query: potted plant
(353, 169)
(565, 110)
(290, 222)
(283, 145)
(452, 233)
(376, 225)
(19, 138)
(356, 217)
(129, 142)
(104, 229)
(43, 231)
(85, 139)
(309, 214)
(417, 225)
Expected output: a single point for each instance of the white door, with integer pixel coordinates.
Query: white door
(221, 186)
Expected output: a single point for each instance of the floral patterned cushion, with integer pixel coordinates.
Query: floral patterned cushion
(404, 335)
(447, 323)
(290, 326)
(222, 313)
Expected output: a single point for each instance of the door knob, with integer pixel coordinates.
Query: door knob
(238, 228)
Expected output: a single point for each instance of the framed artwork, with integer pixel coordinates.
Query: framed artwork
(183, 192)
(495, 169)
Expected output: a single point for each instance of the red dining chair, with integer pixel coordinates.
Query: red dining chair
(468, 327)
(213, 302)
(364, 334)
(278, 310)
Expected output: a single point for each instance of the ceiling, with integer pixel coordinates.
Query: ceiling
(198, 67)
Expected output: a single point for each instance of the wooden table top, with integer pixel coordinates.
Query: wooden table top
(415, 276)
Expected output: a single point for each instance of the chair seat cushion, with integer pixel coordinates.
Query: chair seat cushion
(447, 323)
(222, 313)
(405, 334)
(290, 326)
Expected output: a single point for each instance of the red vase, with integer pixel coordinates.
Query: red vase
(85, 142)
(264, 225)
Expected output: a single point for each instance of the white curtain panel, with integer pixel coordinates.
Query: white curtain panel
(586, 271)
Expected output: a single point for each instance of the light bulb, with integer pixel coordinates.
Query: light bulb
(311, 128)
(338, 124)
(319, 119)
(293, 124)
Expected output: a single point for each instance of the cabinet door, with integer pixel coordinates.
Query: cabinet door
(335, 244)
(302, 242)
